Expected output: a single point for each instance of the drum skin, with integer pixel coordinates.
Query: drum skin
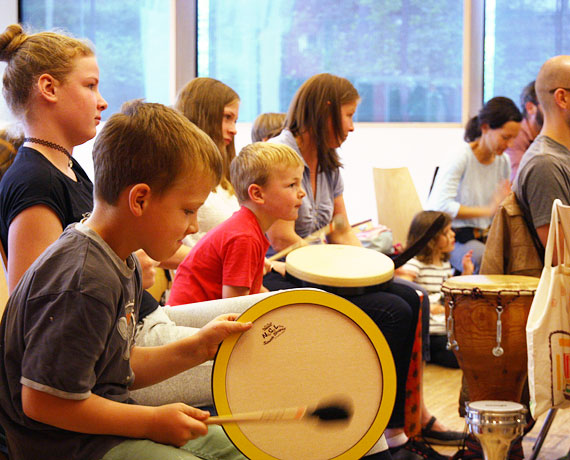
(475, 299)
(306, 347)
(339, 268)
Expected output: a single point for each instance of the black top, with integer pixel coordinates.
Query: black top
(33, 180)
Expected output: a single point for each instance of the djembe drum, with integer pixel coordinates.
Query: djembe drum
(305, 346)
(486, 320)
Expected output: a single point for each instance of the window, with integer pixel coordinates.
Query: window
(404, 57)
(520, 35)
(132, 40)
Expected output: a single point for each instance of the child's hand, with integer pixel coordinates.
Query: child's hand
(467, 263)
(177, 423)
(148, 267)
(212, 334)
(436, 308)
(279, 267)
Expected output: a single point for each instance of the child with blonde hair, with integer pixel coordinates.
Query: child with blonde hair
(229, 260)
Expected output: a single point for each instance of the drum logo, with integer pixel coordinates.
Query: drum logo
(271, 331)
(560, 359)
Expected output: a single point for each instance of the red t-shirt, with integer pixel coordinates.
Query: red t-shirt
(231, 254)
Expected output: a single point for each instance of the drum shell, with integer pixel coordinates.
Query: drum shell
(490, 377)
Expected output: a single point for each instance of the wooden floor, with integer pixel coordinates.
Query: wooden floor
(441, 393)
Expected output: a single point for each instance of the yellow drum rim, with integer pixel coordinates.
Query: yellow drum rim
(324, 299)
(322, 256)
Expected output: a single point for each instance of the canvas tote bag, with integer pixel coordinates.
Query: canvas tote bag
(548, 325)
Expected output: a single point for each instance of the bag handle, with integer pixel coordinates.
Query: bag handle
(552, 236)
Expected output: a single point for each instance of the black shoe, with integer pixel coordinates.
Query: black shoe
(416, 450)
(443, 438)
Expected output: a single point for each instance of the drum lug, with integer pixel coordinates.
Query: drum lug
(498, 350)
(451, 342)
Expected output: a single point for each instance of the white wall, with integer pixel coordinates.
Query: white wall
(419, 147)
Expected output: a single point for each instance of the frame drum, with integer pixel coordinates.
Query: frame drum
(305, 347)
(339, 268)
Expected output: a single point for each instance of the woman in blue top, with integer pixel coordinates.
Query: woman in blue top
(473, 183)
(317, 123)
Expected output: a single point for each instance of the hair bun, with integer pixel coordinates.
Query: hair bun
(11, 40)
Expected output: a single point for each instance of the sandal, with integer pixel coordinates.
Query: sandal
(442, 438)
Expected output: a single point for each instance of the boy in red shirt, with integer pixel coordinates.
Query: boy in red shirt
(229, 261)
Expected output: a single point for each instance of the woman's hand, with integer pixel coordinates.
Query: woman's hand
(503, 189)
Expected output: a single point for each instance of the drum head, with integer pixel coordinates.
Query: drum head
(305, 347)
(493, 283)
(339, 265)
(495, 406)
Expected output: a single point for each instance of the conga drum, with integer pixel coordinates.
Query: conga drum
(305, 347)
(339, 268)
(486, 320)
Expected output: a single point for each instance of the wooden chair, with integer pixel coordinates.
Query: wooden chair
(397, 200)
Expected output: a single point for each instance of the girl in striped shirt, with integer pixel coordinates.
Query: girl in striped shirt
(430, 268)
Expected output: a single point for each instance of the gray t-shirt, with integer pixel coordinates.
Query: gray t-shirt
(543, 176)
(68, 331)
(316, 211)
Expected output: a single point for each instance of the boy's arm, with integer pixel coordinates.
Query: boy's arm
(171, 424)
(155, 364)
(234, 291)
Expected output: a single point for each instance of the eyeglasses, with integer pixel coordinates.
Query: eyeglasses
(559, 87)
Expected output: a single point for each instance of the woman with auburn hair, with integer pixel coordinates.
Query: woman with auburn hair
(318, 121)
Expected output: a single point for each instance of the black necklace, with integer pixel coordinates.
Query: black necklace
(51, 145)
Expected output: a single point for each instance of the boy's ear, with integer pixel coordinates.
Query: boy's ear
(139, 197)
(255, 193)
(46, 87)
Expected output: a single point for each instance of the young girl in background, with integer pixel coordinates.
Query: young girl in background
(430, 268)
(214, 107)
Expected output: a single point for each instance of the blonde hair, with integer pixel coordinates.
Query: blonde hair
(202, 101)
(267, 125)
(29, 56)
(256, 162)
(152, 144)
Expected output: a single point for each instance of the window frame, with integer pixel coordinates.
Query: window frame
(184, 52)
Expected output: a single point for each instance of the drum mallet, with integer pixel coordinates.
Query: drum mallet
(324, 413)
(338, 223)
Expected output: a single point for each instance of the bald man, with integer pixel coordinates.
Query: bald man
(544, 173)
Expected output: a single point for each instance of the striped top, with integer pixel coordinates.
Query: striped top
(431, 277)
